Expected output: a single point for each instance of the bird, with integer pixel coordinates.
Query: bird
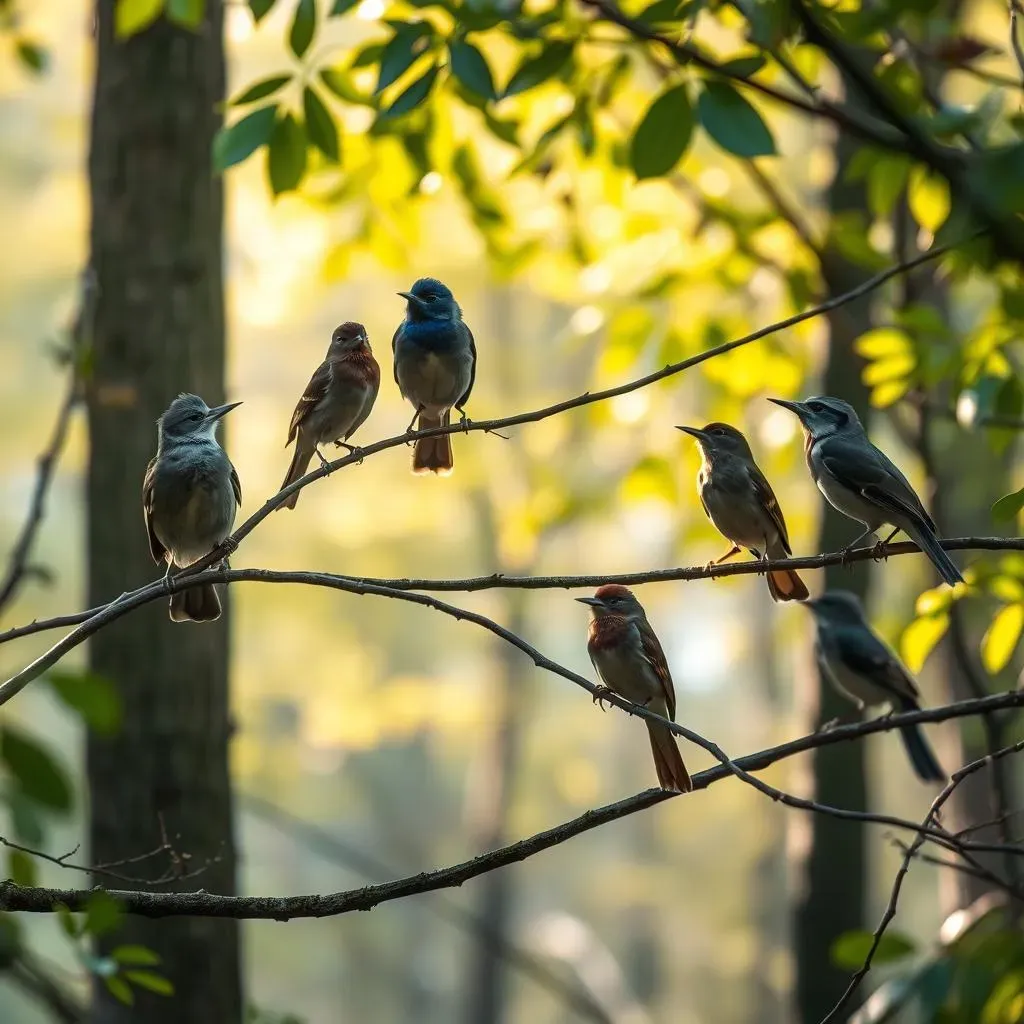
(190, 495)
(435, 368)
(630, 662)
(337, 399)
(859, 664)
(741, 505)
(861, 481)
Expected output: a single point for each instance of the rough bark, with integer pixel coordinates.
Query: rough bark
(156, 240)
(832, 886)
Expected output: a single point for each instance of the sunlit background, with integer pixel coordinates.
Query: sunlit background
(379, 721)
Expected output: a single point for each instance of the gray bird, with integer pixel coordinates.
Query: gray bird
(189, 498)
(862, 482)
(741, 505)
(859, 664)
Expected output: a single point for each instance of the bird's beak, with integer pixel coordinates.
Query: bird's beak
(698, 435)
(797, 408)
(596, 602)
(221, 410)
(414, 300)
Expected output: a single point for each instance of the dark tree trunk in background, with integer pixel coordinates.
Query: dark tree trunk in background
(156, 251)
(831, 879)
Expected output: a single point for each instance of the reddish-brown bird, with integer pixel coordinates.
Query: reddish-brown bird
(629, 659)
(337, 399)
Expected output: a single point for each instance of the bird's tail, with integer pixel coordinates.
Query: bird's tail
(672, 773)
(922, 757)
(433, 454)
(197, 604)
(926, 540)
(785, 584)
(300, 463)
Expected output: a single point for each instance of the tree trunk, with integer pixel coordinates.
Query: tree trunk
(156, 242)
(834, 868)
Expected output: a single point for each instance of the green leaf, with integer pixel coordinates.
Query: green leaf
(120, 989)
(412, 97)
(131, 954)
(535, 70)
(851, 948)
(26, 818)
(261, 90)
(132, 16)
(303, 27)
(39, 776)
(1001, 638)
(886, 179)
(188, 13)
(470, 67)
(92, 696)
(340, 7)
(68, 922)
(35, 57)
(154, 982)
(919, 639)
(10, 939)
(368, 56)
(1008, 506)
(103, 914)
(732, 122)
(744, 67)
(320, 125)
(21, 868)
(401, 51)
(663, 134)
(339, 82)
(237, 142)
(286, 155)
(260, 9)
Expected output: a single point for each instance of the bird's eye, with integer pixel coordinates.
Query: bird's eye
(816, 406)
(195, 417)
(717, 430)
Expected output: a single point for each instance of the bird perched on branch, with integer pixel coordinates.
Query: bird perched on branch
(741, 505)
(189, 498)
(861, 667)
(435, 366)
(337, 399)
(862, 482)
(630, 662)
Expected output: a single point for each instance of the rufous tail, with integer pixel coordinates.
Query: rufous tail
(433, 454)
(672, 773)
(300, 463)
(785, 585)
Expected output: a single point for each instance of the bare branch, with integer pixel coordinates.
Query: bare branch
(890, 910)
(203, 904)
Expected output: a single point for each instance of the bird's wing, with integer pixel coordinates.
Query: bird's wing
(655, 656)
(156, 549)
(472, 372)
(866, 655)
(236, 485)
(766, 496)
(394, 351)
(315, 391)
(859, 465)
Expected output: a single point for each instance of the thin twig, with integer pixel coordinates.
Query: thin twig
(890, 910)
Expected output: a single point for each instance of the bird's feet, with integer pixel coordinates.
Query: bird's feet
(357, 452)
(225, 549)
(464, 421)
(879, 552)
(600, 693)
(324, 464)
(829, 725)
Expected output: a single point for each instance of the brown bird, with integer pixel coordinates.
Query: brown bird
(629, 659)
(337, 399)
(741, 504)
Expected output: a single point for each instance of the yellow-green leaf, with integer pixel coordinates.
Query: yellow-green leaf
(1001, 637)
(132, 16)
(920, 638)
(928, 197)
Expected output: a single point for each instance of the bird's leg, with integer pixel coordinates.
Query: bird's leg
(167, 579)
(734, 550)
(358, 452)
(324, 464)
(227, 547)
(845, 562)
(415, 417)
(600, 692)
(880, 546)
(464, 420)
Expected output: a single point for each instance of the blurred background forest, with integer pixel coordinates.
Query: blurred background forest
(410, 740)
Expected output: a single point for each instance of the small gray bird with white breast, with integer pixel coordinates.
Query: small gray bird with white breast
(861, 481)
(741, 504)
(189, 498)
(859, 664)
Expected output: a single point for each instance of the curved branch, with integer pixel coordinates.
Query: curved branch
(283, 908)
